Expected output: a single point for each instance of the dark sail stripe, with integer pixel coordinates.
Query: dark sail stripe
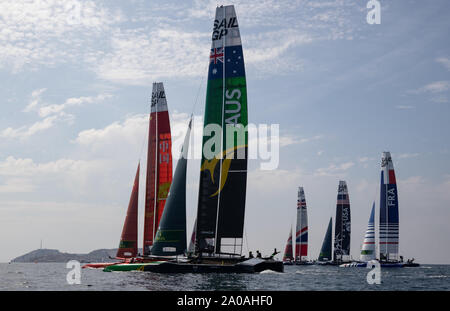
(325, 251)
(170, 238)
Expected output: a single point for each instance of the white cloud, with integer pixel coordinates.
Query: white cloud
(407, 155)
(334, 170)
(434, 87)
(272, 182)
(404, 107)
(50, 114)
(17, 185)
(27, 131)
(140, 56)
(131, 134)
(365, 159)
(35, 99)
(441, 99)
(49, 32)
(74, 101)
(438, 91)
(136, 55)
(364, 186)
(64, 179)
(287, 140)
(12, 166)
(445, 61)
(131, 130)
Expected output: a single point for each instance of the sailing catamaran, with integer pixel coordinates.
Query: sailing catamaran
(325, 252)
(388, 223)
(389, 217)
(159, 178)
(159, 165)
(342, 231)
(288, 257)
(368, 251)
(223, 174)
(301, 235)
(342, 227)
(170, 239)
(128, 246)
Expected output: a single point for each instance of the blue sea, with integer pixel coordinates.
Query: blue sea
(53, 277)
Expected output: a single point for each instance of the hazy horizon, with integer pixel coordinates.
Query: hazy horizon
(75, 97)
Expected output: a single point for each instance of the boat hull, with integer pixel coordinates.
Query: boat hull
(411, 265)
(354, 264)
(99, 265)
(297, 263)
(329, 263)
(247, 266)
(129, 266)
(382, 265)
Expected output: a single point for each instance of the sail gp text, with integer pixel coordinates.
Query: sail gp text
(225, 301)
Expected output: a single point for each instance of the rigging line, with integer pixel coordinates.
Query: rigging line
(142, 145)
(202, 80)
(246, 240)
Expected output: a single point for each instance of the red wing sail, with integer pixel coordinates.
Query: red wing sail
(288, 255)
(128, 240)
(159, 165)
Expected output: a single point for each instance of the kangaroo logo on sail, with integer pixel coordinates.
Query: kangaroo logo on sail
(221, 27)
(231, 117)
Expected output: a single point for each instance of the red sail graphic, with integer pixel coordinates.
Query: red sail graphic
(288, 256)
(128, 240)
(159, 165)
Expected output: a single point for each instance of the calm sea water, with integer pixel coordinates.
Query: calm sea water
(52, 276)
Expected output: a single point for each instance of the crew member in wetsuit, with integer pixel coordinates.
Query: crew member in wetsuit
(274, 252)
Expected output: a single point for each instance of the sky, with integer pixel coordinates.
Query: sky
(75, 90)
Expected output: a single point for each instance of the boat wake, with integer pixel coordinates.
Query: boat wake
(268, 271)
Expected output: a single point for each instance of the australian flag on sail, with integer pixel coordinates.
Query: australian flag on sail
(229, 57)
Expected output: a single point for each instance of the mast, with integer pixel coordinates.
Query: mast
(170, 238)
(128, 240)
(325, 251)
(159, 165)
(368, 247)
(389, 216)
(223, 172)
(191, 247)
(342, 227)
(301, 236)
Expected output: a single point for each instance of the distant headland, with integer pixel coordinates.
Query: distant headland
(53, 255)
